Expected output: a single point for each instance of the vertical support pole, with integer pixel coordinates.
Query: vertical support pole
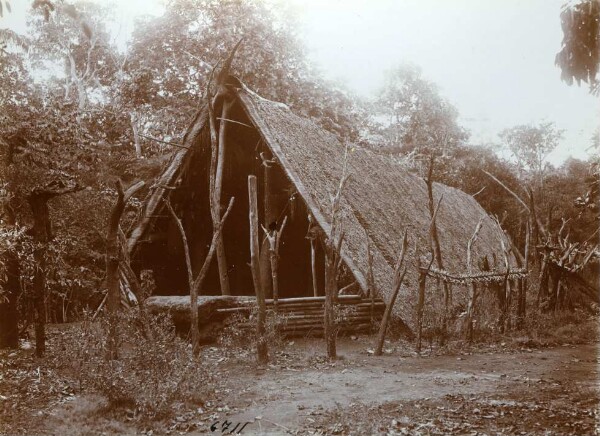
(313, 267)
(216, 190)
(329, 327)
(470, 311)
(473, 290)
(269, 224)
(312, 236)
(399, 273)
(274, 240)
(420, 305)
(261, 344)
(370, 278)
(436, 249)
(523, 284)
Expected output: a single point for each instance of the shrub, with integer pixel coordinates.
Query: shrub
(155, 369)
(240, 332)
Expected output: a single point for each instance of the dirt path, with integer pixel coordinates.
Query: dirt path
(288, 397)
(491, 391)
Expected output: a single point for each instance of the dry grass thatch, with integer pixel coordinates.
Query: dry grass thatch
(379, 198)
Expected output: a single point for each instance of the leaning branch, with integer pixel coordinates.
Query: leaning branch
(519, 199)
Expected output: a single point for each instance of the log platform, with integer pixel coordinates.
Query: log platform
(304, 316)
(297, 316)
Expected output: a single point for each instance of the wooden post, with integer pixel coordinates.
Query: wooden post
(313, 267)
(370, 277)
(221, 259)
(423, 278)
(332, 265)
(269, 224)
(217, 164)
(274, 240)
(436, 250)
(195, 284)
(473, 290)
(312, 235)
(333, 260)
(523, 283)
(506, 288)
(471, 311)
(420, 304)
(261, 344)
(193, 295)
(399, 273)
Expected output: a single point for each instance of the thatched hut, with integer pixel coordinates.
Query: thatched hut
(379, 201)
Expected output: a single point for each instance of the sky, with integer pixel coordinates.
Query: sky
(494, 60)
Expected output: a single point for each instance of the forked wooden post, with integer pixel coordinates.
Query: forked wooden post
(196, 284)
(274, 240)
(333, 260)
(399, 273)
(261, 344)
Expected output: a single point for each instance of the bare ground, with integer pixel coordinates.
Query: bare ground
(490, 390)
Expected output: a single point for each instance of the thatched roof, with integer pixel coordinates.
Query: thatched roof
(380, 199)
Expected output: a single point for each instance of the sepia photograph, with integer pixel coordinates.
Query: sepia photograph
(299, 217)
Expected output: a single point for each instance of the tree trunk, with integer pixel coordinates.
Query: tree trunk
(136, 137)
(113, 252)
(42, 235)
(9, 314)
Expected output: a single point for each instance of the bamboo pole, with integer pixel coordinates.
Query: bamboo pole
(261, 344)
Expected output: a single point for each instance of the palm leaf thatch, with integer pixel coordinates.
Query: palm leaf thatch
(379, 200)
